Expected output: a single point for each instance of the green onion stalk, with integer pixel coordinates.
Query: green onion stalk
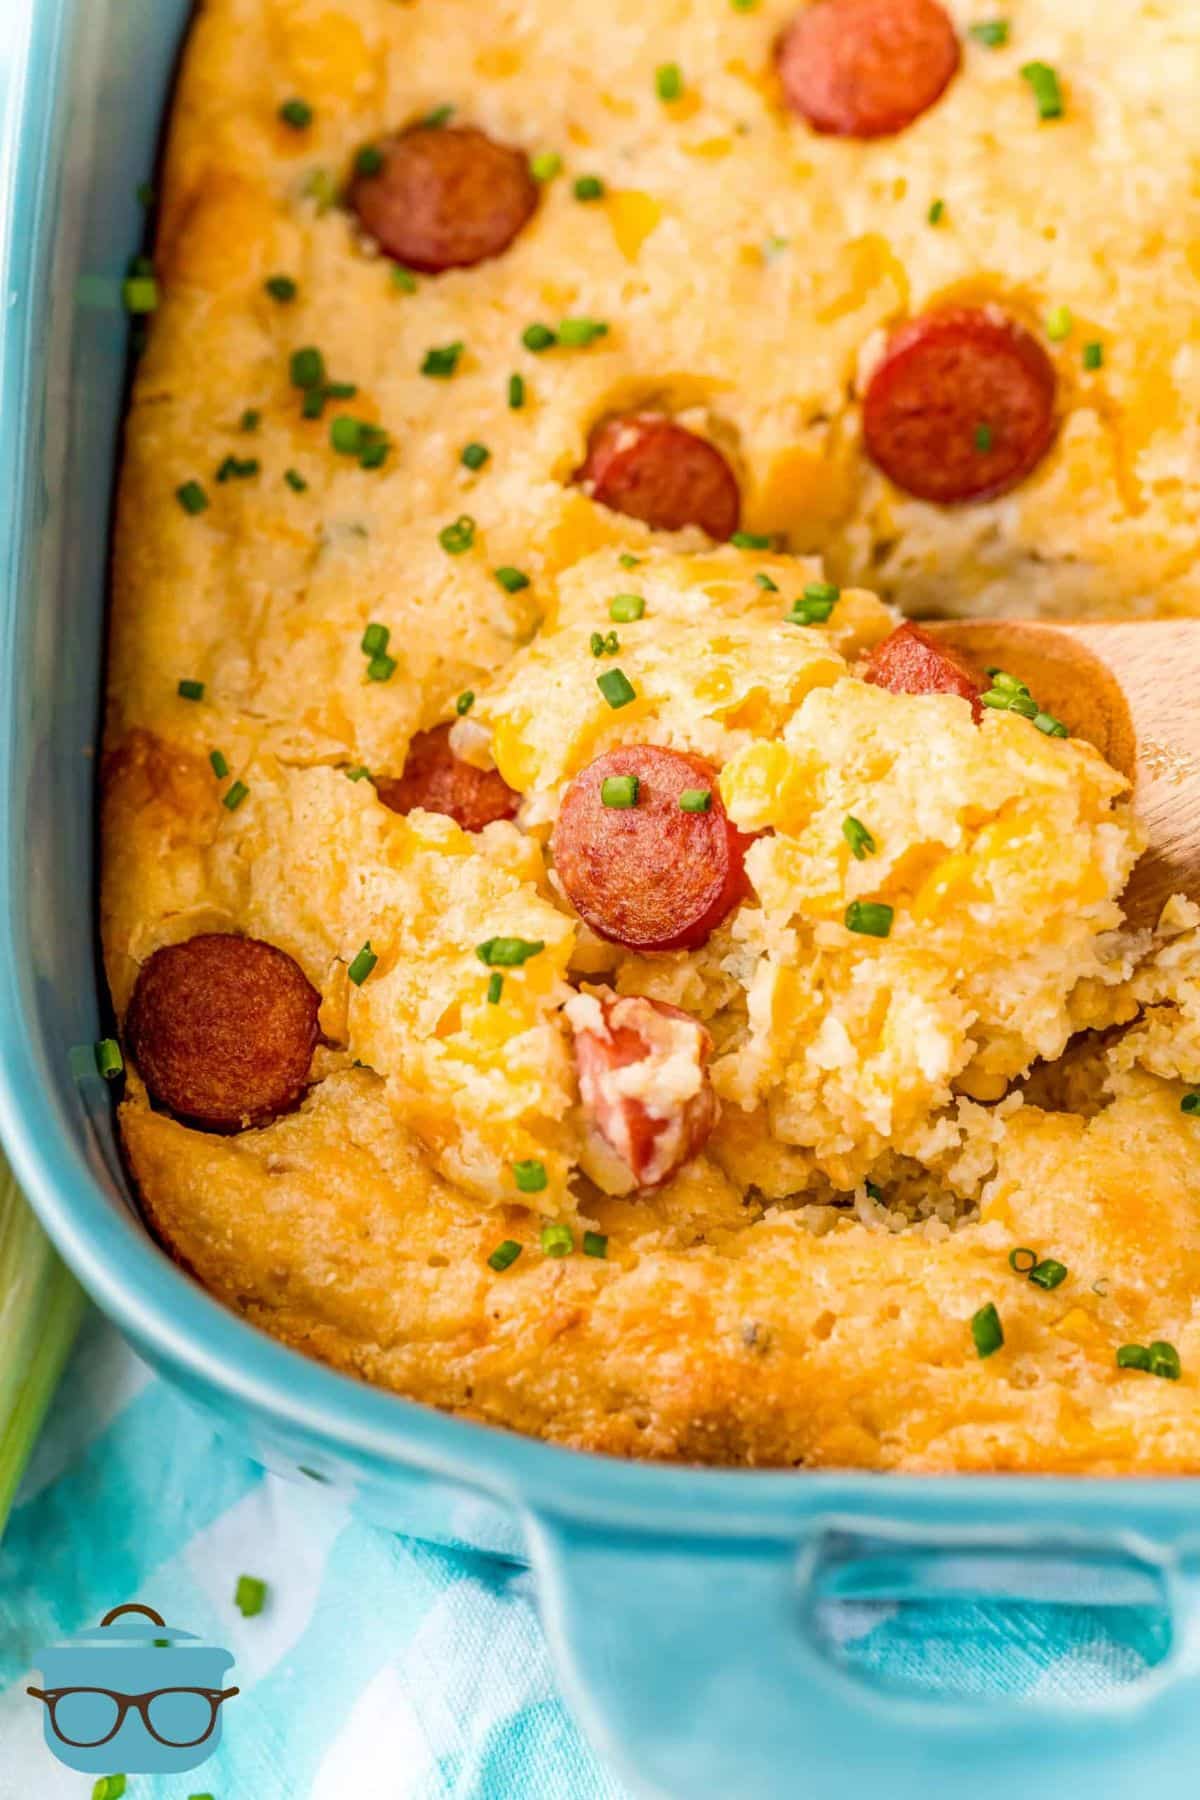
(40, 1309)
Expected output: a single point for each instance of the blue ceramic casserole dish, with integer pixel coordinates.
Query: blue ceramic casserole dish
(681, 1604)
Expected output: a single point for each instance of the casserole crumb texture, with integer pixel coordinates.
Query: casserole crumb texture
(930, 1037)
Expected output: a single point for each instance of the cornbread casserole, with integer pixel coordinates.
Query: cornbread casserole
(582, 959)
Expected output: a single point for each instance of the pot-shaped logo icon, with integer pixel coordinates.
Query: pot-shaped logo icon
(141, 1697)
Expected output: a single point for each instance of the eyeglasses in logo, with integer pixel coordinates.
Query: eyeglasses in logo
(143, 1698)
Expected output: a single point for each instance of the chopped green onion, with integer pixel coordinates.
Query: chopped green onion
(616, 687)
(369, 161)
(192, 497)
(403, 280)
(140, 294)
(1093, 356)
(504, 1255)
(313, 404)
(495, 988)
(281, 288)
(987, 1330)
(577, 334)
(362, 965)
(250, 420)
(441, 361)
(743, 5)
(1048, 1274)
(750, 540)
(991, 33)
(627, 560)
(595, 1243)
(545, 165)
(764, 581)
(234, 795)
(984, 438)
(937, 212)
(1047, 92)
(374, 453)
(605, 644)
(1164, 1360)
(511, 580)
(375, 640)
(695, 800)
(236, 467)
(464, 703)
(457, 538)
(530, 1176)
(508, 952)
(858, 837)
(1190, 1103)
(516, 392)
(319, 186)
(108, 1787)
(191, 690)
(250, 1595)
(625, 608)
(361, 773)
(381, 668)
(1133, 1356)
(588, 187)
(1059, 324)
(1052, 727)
(474, 456)
(619, 790)
(557, 1240)
(1022, 1260)
(346, 435)
(296, 113)
(668, 81)
(220, 767)
(537, 338)
(815, 604)
(437, 117)
(870, 918)
(109, 1061)
(295, 480)
(873, 1190)
(307, 367)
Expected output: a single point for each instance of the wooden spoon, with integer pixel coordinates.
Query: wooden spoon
(1134, 692)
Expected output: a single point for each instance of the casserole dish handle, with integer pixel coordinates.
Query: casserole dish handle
(695, 1666)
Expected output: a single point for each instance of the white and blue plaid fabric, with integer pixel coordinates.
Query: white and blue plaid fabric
(381, 1668)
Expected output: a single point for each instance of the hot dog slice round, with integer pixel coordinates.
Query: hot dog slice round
(445, 198)
(910, 661)
(650, 468)
(222, 1030)
(961, 406)
(867, 68)
(643, 1081)
(654, 875)
(437, 780)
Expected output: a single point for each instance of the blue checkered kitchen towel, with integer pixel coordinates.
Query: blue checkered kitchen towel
(380, 1668)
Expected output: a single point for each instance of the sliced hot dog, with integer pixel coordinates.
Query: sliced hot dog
(867, 68)
(646, 466)
(961, 406)
(222, 1030)
(445, 198)
(437, 780)
(644, 1082)
(910, 661)
(652, 876)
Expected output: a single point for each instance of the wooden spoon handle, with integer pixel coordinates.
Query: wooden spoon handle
(1133, 691)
